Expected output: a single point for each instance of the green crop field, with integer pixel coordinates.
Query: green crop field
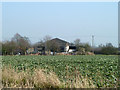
(102, 69)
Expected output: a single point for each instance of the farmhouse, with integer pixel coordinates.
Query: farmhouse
(62, 45)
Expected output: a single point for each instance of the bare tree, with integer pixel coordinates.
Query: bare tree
(54, 47)
(77, 42)
(47, 39)
(22, 43)
(40, 43)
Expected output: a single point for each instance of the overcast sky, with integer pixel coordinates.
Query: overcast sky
(66, 21)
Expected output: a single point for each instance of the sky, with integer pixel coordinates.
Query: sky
(65, 20)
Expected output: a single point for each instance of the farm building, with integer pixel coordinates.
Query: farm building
(64, 45)
(30, 50)
(61, 43)
(56, 45)
(40, 49)
(70, 48)
(36, 50)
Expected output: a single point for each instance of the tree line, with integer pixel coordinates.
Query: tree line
(15, 45)
(107, 49)
(20, 44)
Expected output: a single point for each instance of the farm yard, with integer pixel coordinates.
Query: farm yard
(60, 71)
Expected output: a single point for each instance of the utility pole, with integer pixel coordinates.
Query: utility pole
(93, 43)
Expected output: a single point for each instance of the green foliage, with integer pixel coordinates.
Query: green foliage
(8, 47)
(109, 49)
(102, 69)
(82, 49)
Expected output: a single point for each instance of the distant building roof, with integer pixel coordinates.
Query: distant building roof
(59, 41)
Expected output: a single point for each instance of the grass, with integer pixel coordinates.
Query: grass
(41, 79)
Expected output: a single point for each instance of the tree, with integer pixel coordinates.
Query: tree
(109, 49)
(21, 41)
(87, 47)
(40, 43)
(54, 47)
(8, 47)
(16, 38)
(47, 39)
(17, 44)
(77, 44)
(51, 45)
(109, 45)
(81, 51)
